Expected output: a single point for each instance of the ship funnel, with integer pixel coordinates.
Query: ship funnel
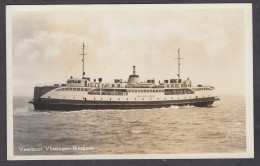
(133, 70)
(133, 79)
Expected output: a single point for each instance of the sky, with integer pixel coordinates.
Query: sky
(46, 45)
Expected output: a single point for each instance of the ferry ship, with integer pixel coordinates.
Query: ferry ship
(84, 93)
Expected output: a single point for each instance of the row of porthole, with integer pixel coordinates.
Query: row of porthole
(135, 98)
(126, 98)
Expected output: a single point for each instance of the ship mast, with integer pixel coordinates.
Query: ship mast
(179, 65)
(83, 60)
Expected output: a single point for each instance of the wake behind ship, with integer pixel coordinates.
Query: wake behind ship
(82, 93)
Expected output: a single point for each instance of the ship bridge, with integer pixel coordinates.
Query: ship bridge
(78, 81)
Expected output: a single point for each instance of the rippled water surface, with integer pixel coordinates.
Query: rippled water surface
(216, 129)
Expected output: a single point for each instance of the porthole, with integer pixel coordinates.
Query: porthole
(94, 98)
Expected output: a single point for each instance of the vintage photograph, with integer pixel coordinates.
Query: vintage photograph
(129, 81)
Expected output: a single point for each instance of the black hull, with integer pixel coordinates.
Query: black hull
(62, 104)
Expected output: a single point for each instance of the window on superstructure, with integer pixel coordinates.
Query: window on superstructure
(74, 89)
(82, 89)
(78, 89)
(178, 91)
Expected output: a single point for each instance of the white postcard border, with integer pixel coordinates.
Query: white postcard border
(249, 82)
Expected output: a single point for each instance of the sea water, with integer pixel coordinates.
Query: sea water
(174, 130)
